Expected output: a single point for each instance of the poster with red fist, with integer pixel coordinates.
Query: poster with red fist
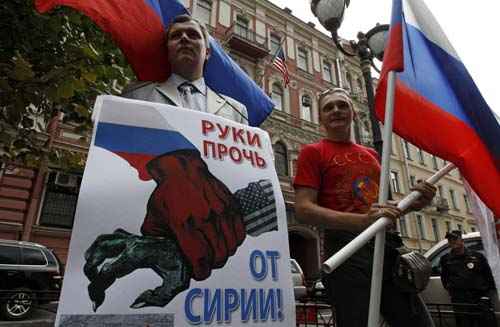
(180, 221)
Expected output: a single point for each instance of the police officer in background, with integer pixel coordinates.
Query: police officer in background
(467, 277)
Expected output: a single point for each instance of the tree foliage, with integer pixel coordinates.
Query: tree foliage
(48, 63)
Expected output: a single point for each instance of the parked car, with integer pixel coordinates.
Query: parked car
(30, 274)
(435, 292)
(299, 282)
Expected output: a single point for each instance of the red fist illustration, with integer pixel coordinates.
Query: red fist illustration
(196, 208)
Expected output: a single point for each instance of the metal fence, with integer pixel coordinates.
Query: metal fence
(314, 312)
(462, 314)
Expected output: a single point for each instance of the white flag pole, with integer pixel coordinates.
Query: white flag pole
(357, 243)
(378, 256)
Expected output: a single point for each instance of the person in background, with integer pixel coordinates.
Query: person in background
(467, 277)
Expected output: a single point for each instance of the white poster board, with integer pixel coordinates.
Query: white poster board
(180, 221)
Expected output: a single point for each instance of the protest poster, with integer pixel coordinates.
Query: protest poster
(180, 221)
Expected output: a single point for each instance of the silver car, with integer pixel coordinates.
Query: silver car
(435, 295)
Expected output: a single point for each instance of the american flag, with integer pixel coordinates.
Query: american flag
(258, 207)
(279, 64)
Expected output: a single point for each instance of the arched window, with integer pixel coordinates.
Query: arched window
(281, 159)
(277, 96)
(306, 107)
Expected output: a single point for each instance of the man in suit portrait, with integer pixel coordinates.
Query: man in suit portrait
(188, 49)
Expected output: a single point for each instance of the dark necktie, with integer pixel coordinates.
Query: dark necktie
(187, 91)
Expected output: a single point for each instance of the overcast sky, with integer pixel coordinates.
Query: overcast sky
(473, 28)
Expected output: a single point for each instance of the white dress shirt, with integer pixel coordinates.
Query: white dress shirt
(198, 99)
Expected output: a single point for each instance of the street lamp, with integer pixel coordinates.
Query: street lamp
(371, 45)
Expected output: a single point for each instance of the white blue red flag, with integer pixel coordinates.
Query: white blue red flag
(138, 27)
(437, 104)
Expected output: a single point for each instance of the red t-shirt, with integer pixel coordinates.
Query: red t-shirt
(346, 175)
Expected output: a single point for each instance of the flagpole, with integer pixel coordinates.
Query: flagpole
(278, 50)
(359, 241)
(378, 256)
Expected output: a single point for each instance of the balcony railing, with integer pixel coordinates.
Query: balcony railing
(247, 41)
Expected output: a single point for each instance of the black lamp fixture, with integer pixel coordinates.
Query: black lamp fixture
(330, 14)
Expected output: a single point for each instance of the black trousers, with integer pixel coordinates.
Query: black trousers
(349, 292)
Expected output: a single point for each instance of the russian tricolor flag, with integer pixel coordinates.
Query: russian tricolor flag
(138, 28)
(437, 104)
(137, 138)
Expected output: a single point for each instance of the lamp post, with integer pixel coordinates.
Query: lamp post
(369, 46)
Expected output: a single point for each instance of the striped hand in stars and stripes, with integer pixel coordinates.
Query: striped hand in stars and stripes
(258, 207)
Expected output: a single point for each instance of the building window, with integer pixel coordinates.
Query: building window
(473, 229)
(303, 60)
(413, 180)
(466, 201)
(395, 182)
(460, 227)
(204, 11)
(349, 81)
(434, 162)
(435, 229)
(59, 204)
(448, 226)
(327, 71)
(402, 227)
(281, 159)
(275, 43)
(406, 149)
(242, 27)
(453, 200)
(277, 96)
(421, 156)
(420, 225)
(306, 108)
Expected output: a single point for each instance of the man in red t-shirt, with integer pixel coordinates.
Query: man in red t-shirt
(336, 187)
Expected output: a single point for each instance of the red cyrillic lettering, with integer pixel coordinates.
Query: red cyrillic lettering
(238, 135)
(223, 131)
(235, 154)
(206, 145)
(221, 151)
(261, 163)
(206, 126)
(247, 154)
(253, 139)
